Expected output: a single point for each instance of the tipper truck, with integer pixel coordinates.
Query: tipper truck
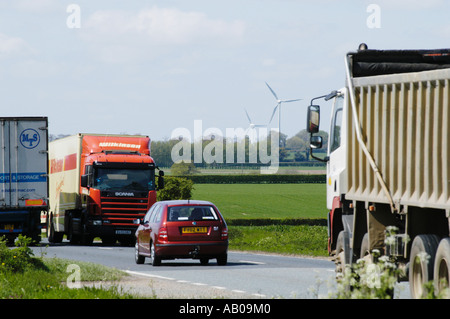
(99, 185)
(388, 162)
(23, 176)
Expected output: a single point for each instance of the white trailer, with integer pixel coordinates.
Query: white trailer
(23, 175)
(388, 161)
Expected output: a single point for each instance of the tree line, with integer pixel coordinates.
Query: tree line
(292, 150)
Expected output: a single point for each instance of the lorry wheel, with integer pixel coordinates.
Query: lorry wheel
(341, 253)
(365, 252)
(53, 236)
(442, 269)
(420, 267)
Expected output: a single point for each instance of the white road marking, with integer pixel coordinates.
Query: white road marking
(188, 282)
(199, 284)
(238, 291)
(218, 287)
(252, 262)
(147, 275)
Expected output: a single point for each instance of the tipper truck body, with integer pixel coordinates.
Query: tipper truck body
(99, 185)
(23, 176)
(388, 162)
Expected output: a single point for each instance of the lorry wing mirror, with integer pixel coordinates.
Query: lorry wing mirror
(84, 181)
(316, 141)
(332, 95)
(161, 179)
(313, 119)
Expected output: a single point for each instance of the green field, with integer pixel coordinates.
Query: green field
(277, 201)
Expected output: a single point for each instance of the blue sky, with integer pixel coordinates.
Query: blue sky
(150, 67)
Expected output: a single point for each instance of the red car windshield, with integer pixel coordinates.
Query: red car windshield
(182, 213)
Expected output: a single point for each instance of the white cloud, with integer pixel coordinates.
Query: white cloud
(12, 46)
(36, 5)
(164, 26)
(407, 5)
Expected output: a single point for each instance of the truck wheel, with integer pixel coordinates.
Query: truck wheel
(53, 236)
(365, 252)
(442, 269)
(340, 259)
(420, 267)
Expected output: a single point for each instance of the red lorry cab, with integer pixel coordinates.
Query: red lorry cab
(116, 184)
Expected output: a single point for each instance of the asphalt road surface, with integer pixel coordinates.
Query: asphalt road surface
(247, 275)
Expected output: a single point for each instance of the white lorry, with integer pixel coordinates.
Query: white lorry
(388, 161)
(23, 176)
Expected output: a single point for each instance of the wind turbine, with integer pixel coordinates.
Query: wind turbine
(279, 102)
(252, 125)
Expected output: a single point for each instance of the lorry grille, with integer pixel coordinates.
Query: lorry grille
(122, 211)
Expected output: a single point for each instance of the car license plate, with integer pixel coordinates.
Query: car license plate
(194, 230)
(123, 232)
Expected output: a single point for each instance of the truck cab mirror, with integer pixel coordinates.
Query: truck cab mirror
(160, 182)
(316, 141)
(313, 119)
(84, 180)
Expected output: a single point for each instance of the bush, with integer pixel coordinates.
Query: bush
(183, 169)
(176, 188)
(18, 259)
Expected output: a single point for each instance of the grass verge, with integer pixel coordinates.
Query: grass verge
(24, 276)
(283, 239)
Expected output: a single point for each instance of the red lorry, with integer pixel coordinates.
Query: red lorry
(98, 185)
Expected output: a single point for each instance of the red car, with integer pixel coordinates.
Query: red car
(182, 229)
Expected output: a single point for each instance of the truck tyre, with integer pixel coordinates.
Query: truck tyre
(365, 248)
(53, 236)
(421, 269)
(341, 253)
(73, 238)
(442, 269)
(86, 239)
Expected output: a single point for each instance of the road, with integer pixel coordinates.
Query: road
(247, 275)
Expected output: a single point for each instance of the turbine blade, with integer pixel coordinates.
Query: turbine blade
(273, 113)
(291, 100)
(249, 120)
(274, 94)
